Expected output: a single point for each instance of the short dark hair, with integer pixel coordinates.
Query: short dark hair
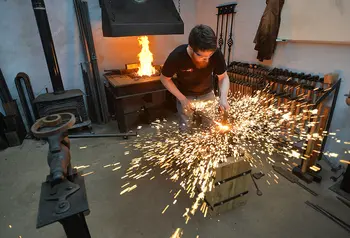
(202, 38)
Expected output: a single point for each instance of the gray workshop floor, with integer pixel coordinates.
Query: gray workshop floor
(280, 212)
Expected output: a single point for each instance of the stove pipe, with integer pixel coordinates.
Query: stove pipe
(48, 45)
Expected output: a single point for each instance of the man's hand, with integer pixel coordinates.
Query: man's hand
(224, 106)
(187, 106)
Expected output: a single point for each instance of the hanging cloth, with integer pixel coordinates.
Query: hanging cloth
(266, 35)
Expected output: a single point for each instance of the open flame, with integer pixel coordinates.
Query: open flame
(145, 58)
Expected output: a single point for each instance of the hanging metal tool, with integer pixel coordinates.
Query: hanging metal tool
(27, 105)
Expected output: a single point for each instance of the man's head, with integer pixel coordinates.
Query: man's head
(202, 42)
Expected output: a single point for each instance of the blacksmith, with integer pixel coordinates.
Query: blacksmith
(195, 65)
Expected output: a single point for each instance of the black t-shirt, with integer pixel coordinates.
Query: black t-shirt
(190, 80)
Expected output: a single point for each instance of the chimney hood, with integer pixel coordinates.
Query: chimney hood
(140, 17)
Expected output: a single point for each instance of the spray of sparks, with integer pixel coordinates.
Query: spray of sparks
(255, 126)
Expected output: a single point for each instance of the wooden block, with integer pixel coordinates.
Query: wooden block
(230, 205)
(232, 167)
(231, 184)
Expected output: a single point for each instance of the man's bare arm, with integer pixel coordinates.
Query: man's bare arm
(169, 84)
(224, 85)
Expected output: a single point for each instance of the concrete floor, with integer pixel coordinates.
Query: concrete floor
(280, 212)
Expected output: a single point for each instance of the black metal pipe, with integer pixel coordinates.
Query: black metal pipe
(5, 94)
(48, 45)
(97, 85)
(95, 114)
(89, 98)
(96, 72)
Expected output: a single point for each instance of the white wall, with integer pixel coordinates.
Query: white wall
(305, 57)
(21, 48)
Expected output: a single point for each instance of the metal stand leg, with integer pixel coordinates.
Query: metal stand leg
(75, 226)
(345, 184)
(119, 110)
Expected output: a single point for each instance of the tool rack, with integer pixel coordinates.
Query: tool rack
(299, 94)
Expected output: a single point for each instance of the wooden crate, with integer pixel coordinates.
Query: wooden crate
(232, 182)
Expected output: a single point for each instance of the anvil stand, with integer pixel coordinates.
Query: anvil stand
(342, 187)
(345, 183)
(63, 195)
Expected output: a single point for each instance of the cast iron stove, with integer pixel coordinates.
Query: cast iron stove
(60, 100)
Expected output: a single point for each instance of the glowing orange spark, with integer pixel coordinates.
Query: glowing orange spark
(222, 127)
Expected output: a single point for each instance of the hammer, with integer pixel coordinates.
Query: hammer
(225, 117)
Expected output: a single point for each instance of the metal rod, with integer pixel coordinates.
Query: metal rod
(225, 42)
(329, 215)
(99, 82)
(326, 94)
(93, 81)
(230, 41)
(82, 27)
(95, 114)
(89, 97)
(102, 135)
(222, 25)
(217, 25)
(48, 45)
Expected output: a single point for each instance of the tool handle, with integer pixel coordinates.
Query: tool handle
(307, 189)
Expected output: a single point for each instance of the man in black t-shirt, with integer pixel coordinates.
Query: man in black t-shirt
(195, 64)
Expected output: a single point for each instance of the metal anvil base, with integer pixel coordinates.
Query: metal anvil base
(65, 203)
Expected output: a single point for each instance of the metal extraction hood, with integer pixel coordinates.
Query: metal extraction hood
(140, 17)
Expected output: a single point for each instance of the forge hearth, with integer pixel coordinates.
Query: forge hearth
(121, 77)
(130, 97)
